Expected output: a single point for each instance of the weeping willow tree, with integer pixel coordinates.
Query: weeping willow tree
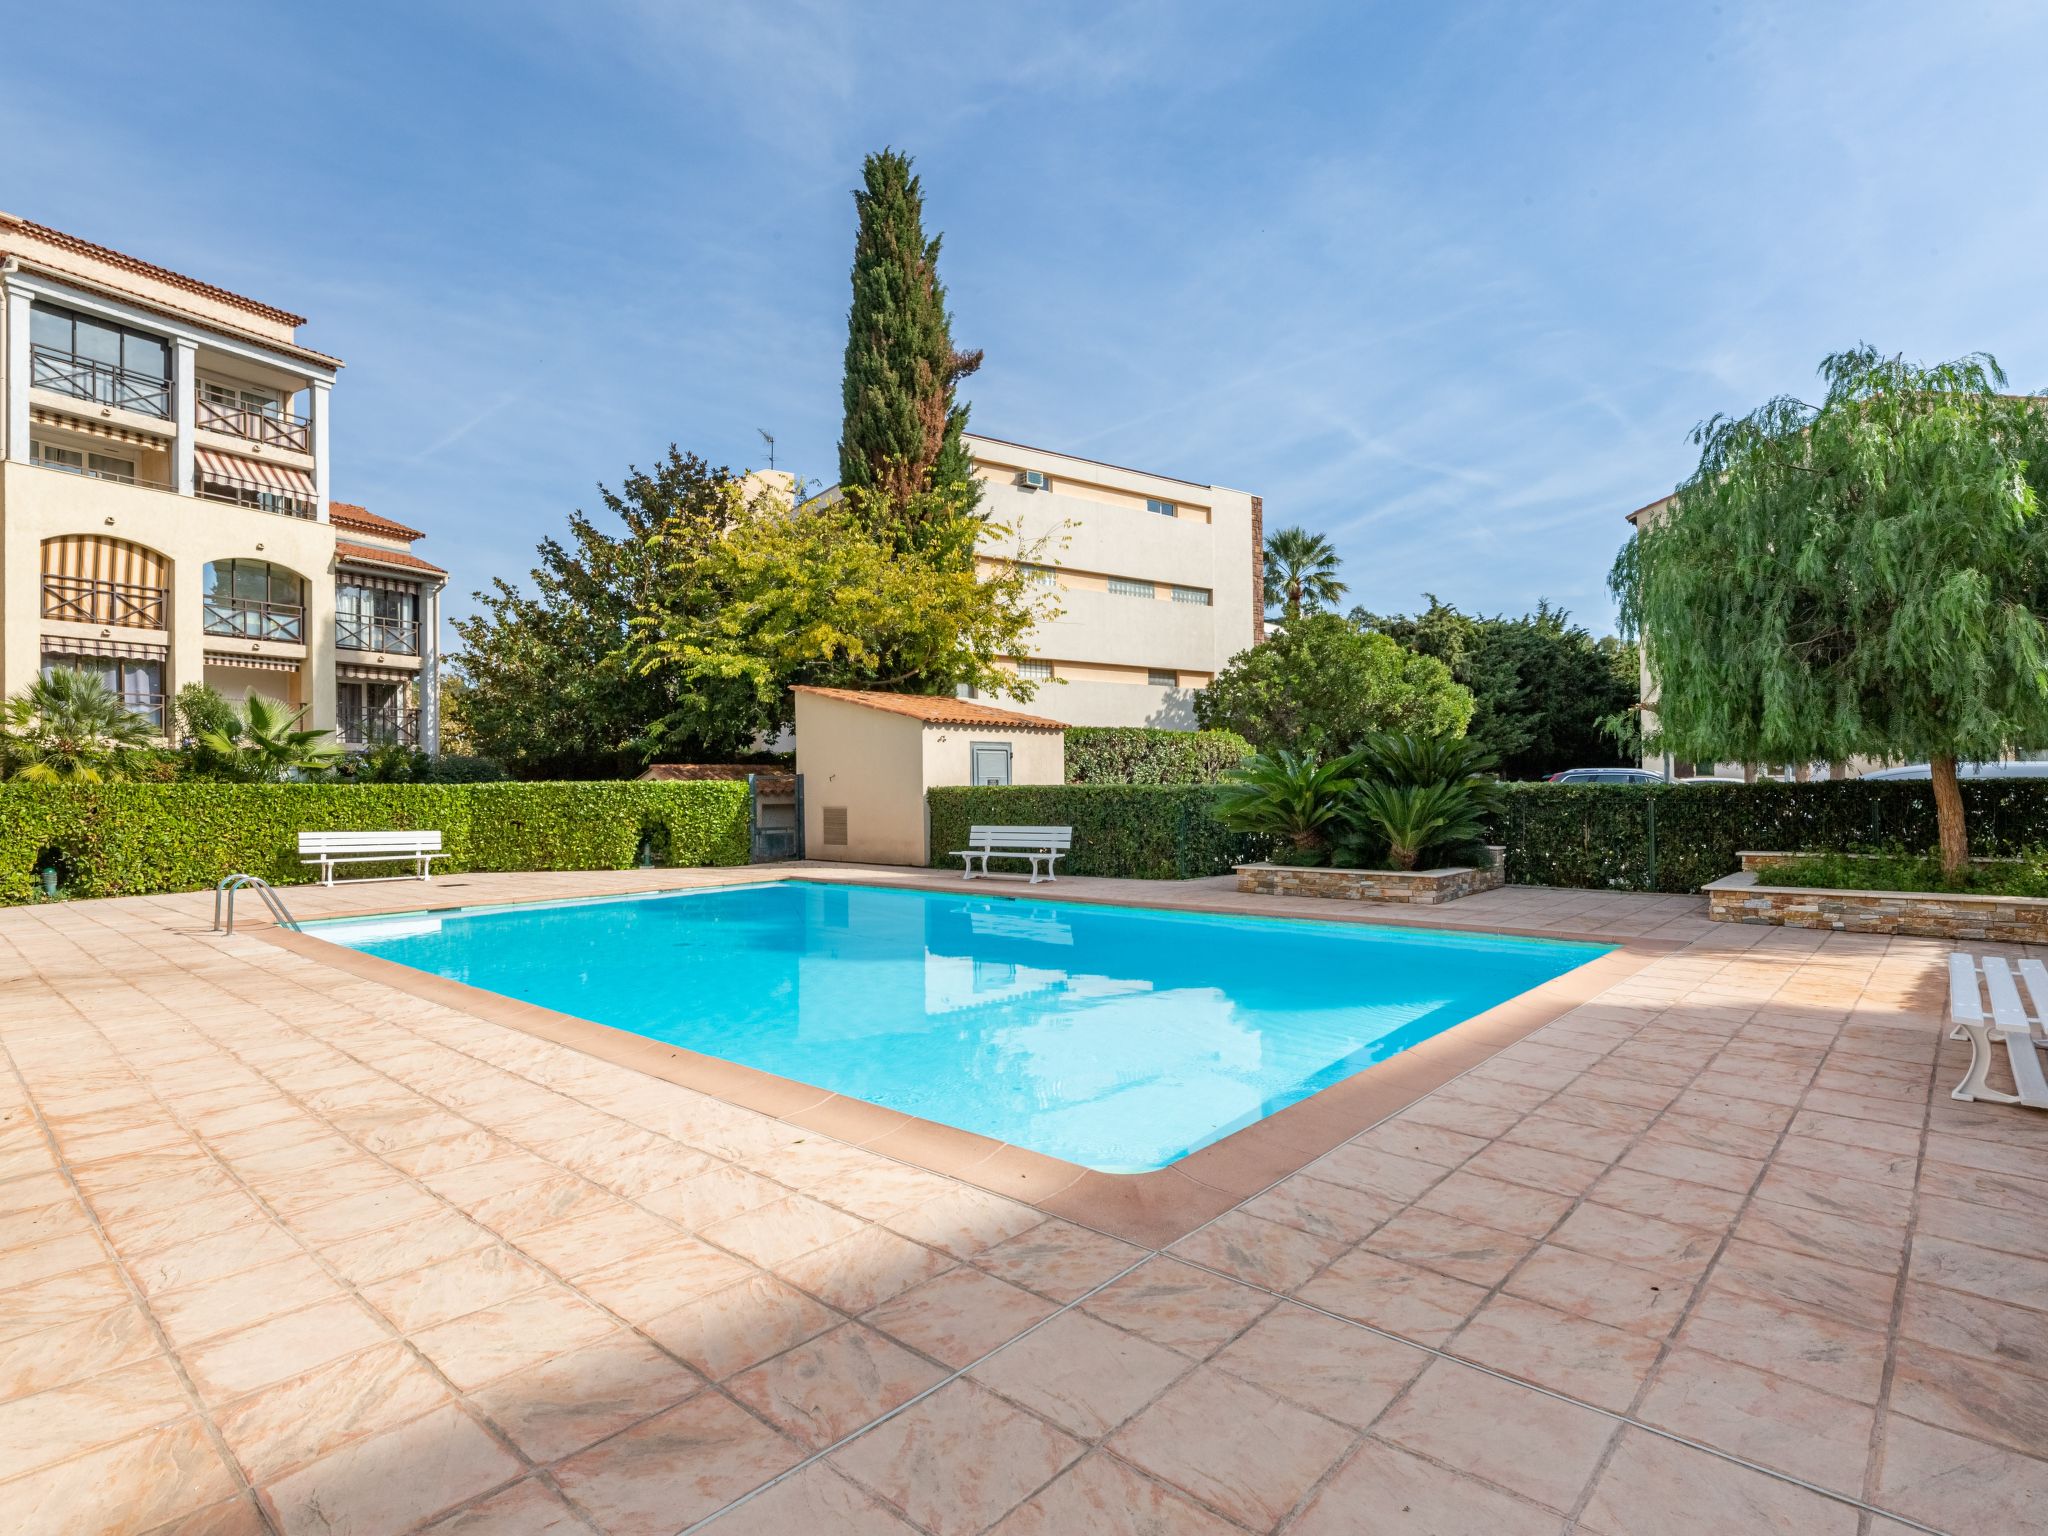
(1861, 577)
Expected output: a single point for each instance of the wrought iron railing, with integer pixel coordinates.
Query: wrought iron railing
(246, 619)
(272, 427)
(380, 727)
(85, 600)
(365, 632)
(252, 493)
(83, 378)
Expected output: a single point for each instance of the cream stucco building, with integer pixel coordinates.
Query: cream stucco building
(1158, 581)
(166, 511)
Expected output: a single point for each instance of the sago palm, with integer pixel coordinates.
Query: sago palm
(70, 728)
(1417, 818)
(1301, 572)
(1290, 795)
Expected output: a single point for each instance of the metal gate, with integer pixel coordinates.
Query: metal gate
(775, 816)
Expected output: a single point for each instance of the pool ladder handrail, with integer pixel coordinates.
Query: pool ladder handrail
(279, 913)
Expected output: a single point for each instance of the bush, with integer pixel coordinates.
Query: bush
(1123, 754)
(1136, 831)
(461, 768)
(133, 839)
(1898, 871)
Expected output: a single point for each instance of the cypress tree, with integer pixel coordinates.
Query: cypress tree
(902, 431)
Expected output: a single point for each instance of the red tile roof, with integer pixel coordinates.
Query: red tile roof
(349, 515)
(141, 268)
(371, 555)
(935, 710)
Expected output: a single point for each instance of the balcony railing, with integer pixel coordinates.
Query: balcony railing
(146, 706)
(391, 637)
(122, 604)
(102, 383)
(252, 493)
(380, 727)
(246, 619)
(273, 428)
(119, 477)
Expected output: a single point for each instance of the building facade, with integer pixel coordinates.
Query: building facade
(1159, 581)
(166, 508)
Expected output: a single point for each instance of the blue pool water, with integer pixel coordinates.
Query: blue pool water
(1113, 1037)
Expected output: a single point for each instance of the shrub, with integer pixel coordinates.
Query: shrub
(1410, 820)
(462, 768)
(1120, 754)
(1901, 871)
(1291, 797)
(132, 839)
(1134, 831)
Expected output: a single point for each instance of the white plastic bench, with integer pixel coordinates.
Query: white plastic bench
(1044, 846)
(327, 849)
(2011, 1022)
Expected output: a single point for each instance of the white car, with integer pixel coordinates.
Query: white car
(1963, 771)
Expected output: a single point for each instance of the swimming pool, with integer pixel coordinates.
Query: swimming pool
(1114, 1037)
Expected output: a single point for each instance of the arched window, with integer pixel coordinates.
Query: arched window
(255, 600)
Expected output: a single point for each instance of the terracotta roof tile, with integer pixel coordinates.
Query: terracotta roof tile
(935, 710)
(349, 515)
(370, 554)
(141, 268)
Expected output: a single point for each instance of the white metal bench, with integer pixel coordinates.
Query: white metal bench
(327, 849)
(2011, 1022)
(1044, 846)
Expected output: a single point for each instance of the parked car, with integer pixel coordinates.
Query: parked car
(1607, 776)
(1708, 778)
(1964, 771)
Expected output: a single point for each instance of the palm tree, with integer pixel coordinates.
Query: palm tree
(269, 746)
(1301, 572)
(71, 728)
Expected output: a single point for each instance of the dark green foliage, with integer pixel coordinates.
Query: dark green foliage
(1290, 797)
(1129, 754)
(2026, 875)
(1301, 572)
(1543, 689)
(462, 768)
(1412, 820)
(1421, 803)
(202, 708)
(902, 430)
(1136, 831)
(131, 839)
(1322, 685)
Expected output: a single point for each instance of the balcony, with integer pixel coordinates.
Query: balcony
(247, 619)
(82, 378)
(88, 472)
(273, 427)
(379, 727)
(389, 637)
(120, 604)
(237, 491)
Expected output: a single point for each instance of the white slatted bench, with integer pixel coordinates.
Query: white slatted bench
(327, 849)
(1040, 845)
(2011, 1023)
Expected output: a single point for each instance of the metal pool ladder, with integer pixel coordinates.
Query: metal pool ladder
(263, 888)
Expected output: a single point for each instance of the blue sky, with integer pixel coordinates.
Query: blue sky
(1451, 284)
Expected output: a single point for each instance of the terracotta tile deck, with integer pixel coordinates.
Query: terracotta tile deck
(285, 1247)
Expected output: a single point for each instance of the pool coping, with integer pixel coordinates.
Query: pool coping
(1155, 1208)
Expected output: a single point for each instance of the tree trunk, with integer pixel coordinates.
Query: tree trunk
(1948, 816)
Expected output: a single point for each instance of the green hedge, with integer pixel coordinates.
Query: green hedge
(1125, 754)
(131, 839)
(1139, 831)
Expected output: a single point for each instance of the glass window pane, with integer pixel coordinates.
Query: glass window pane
(215, 577)
(50, 327)
(284, 586)
(145, 355)
(252, 581)
(101, 343)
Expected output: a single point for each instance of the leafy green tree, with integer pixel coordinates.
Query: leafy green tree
(1545, 694)
(544, 686)
(268, 744)
(1864, 576)
(1301, 572)
(1324, 685)
(902, 433)
(69, 727)
(817, 596)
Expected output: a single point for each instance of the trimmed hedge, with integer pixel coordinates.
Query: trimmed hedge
(1138, 831)
(1128, 754)
(133, 839)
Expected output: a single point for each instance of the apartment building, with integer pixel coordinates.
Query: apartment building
(166, 503)
(1159, 581)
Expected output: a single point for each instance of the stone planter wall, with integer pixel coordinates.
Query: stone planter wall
(1417, 888)
(1744, 898)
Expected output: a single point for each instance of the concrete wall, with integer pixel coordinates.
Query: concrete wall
(869, 762)
(1036, 757)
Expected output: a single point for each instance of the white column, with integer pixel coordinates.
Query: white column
(17, 373)
(184, 410)
(323, 470)
(430, 673)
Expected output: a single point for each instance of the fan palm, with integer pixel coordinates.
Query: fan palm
(269, 745)
(70, 728)
(1289, 795)
(1301, 572)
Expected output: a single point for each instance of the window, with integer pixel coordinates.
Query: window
(1199, 596)
(100, 466)
(139, 682)
(233, 397)
(1160, 677)
(1041, 575)
(1163, 508)
(1123, 586)
(1037, 671)
(377, 619)
(254, 600)
(89, 359)
(990, 763)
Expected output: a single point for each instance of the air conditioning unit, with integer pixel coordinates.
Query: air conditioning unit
(1034, 480)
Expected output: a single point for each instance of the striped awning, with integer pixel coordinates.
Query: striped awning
(356, 672)
(71, 645)
(42, 415)
(93, 557)
(250, 663)
(278, 477)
